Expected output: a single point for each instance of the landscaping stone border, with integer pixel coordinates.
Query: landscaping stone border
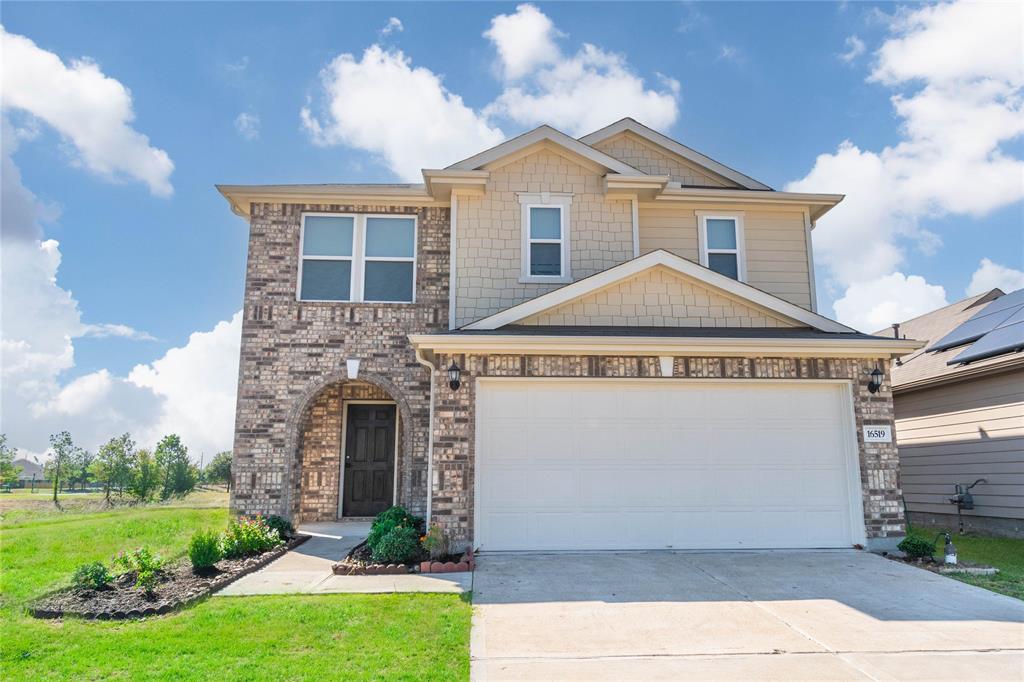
(217, 583)
(346, 568)
(466, 563)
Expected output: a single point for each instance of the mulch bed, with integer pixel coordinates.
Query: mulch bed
(178, 587)
(939, 566)
(359, 561)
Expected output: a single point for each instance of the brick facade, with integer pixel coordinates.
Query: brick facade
(454, 420)
(293, 367)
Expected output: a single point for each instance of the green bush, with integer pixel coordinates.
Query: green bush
(92, 576)
(283, 526)
(248, 536)
(387, 521)
(916, 547)
(400, 545)
(145, 564)
(204, 550)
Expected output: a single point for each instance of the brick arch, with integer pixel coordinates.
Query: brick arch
(300, 413)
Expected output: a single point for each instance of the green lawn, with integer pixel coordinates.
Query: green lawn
(1006, 554)
(252, 638)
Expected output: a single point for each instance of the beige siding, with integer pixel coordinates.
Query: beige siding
(657, 298)
(644, 156)
(489, 232)
(958, 433)
(775, 243)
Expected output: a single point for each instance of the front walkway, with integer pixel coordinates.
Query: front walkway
(307, 569)
(839, 615)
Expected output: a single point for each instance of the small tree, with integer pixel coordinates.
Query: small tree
(63, 455)
(8, 471)
(113, 465)
(145, 476)
(80, 469)
(179, 474)
(219, 469)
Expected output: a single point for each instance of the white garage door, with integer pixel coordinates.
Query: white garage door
(618, 464)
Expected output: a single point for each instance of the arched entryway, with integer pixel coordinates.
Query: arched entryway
(350, 441)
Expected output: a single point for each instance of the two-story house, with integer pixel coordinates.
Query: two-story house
(598, 343)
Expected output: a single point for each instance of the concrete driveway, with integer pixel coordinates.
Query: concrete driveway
(839, 615)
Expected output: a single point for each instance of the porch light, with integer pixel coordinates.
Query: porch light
(876, 380)
(454, 376)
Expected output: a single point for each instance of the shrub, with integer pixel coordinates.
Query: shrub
(388, 520)
(92, 576)
(400, 545)
(247, 536)
(283, 526)
(145, 564)
(916, 547)
(435, 541)
(204, 549)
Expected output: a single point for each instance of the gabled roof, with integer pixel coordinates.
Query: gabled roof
(654, 259)
(667, 143)
(925, 368)
(544, 133)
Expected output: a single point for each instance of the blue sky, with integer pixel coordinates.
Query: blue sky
(763, 87)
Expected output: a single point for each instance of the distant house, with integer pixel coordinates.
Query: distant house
(28, 468)
(960, 413)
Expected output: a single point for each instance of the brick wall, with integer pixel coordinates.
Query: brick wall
(455, 418)
(293, 362)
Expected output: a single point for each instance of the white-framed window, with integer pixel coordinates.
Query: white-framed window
(721, 244)
(545, 221)
(357, 257)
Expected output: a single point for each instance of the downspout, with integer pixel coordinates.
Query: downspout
(808, 225)
(635, 201)
(452, 231)
(430, 435)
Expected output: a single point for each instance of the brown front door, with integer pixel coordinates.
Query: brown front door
(369, 460)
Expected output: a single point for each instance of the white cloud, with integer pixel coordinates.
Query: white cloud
(524, 40)
(875, 304)
(855, 47)
(991, 275)
(394, 25)
(91, 110)
(248, 125)
(107, 330)
(405, 115)
(730, 53)
(957, 75)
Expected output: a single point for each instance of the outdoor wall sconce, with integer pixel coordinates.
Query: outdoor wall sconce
(454, 376)
(875, 382)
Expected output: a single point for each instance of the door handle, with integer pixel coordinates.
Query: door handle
(348, 465)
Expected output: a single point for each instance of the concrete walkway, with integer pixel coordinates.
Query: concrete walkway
(840, 615)
(307, 569)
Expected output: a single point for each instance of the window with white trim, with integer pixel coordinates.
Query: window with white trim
(545, 237)
(722, 245)
(357, 258)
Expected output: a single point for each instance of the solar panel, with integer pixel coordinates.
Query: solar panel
(1007, 339)
(1010, 300)
(973, 329)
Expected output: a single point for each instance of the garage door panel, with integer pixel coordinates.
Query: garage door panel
(635, 464)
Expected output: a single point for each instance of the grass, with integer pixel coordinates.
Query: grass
(1006, 554)
(252, 638)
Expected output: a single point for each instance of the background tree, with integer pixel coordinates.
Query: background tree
(219, 469)
(113, 465)
(8, 471)
(145, 476)
(179, 474)
(80, 469)
(63, 453)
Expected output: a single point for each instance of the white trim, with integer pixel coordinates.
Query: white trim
(740, 251)
(667, 143)
(649, 260)
(545, 200)
(430, 435)
(358, 259)
(809, 245)
(851, 450)
(344, 435)
(453, 220)
(540, 134)
(635, 211)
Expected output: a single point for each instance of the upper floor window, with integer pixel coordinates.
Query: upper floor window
(721, 245)
(357, 258)
(545, 238)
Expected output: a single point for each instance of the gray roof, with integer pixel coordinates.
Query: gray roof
(674, 332)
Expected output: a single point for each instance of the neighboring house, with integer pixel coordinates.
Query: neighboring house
(960, 413)
(28, 469)
(633, 329)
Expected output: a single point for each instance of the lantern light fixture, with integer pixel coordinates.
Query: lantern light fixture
(454, 376)
(875, 383)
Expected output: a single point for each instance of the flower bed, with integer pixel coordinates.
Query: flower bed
(177, 585)
(359, 561)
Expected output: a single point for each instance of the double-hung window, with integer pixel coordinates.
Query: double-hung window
(357, 258)
(721, 245)
(545, 238)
